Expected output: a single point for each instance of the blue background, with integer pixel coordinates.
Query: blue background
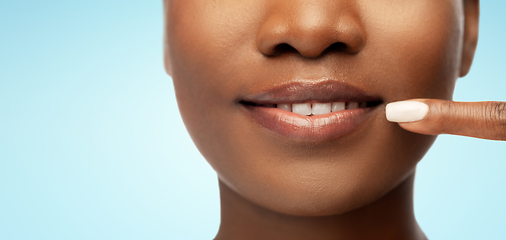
(92, 145)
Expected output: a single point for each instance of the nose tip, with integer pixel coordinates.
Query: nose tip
(310, 34)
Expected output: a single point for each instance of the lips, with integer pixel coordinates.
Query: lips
(311, 110)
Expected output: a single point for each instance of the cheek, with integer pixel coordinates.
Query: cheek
(421, 43)
(205, 35)
(211, 45)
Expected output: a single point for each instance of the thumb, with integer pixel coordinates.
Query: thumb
(433, 116)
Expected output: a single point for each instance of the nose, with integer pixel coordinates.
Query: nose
(311, 28)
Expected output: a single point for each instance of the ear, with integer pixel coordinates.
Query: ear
(471, 26)
(166, 58)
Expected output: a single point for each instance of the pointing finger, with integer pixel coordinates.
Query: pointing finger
(432, 116)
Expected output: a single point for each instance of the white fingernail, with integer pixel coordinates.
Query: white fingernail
(406, 111)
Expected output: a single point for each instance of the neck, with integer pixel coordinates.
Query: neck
(390, 217)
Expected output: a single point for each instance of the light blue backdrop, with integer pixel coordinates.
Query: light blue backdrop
(92, 145)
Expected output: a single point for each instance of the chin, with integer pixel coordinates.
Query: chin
(325, 186)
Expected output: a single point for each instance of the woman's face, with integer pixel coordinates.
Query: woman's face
(234, 62)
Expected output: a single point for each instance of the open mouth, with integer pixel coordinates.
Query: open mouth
(311, 111)
(316, 108)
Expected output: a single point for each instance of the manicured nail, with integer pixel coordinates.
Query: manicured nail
(406, 111)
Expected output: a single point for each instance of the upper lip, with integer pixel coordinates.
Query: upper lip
(311, 91)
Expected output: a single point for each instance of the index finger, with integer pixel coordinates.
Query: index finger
(433, 116)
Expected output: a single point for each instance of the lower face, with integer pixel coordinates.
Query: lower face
(262, 120)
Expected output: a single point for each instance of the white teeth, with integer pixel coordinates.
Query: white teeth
(286, 107)
(309, 109)
(338, 106)
(302, 108)
(321, 108)
(352, 105)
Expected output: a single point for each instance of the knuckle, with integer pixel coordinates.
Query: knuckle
(498, 116)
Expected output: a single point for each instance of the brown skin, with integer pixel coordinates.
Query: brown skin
(358, 186)
(485, 120)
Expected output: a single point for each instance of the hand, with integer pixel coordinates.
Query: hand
(431, 116)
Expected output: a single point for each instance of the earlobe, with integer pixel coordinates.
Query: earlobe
(471, 27)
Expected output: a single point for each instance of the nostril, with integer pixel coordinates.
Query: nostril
(283, 48)
(336, 47)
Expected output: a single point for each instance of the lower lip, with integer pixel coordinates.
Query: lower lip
(309, 128)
